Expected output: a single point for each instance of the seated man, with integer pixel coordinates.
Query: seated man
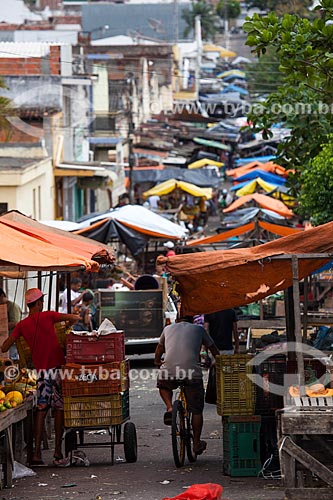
(181, 344)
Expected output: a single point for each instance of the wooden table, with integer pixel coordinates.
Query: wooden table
(16, 427)
(306, 449)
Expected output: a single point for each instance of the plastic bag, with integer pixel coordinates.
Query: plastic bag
(211, 396)
(22, 471)
(208, 491)
(106, 327)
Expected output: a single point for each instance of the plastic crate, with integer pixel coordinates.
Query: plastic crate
(241, 445)
(93, 380)
(96, 411)
(92, 349)
(235, 390)
(272, 371)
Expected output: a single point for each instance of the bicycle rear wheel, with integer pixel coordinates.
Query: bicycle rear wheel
(178, 433)
(189, 440)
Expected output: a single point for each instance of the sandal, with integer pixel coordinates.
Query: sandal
(200, 449)
(167, 418)
(62, 462)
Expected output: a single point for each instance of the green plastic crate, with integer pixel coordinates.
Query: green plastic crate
(235, 390)
(241, 445)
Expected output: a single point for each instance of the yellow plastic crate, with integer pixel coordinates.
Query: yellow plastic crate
(96, 411)
(235, 391)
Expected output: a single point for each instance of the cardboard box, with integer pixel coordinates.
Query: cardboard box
(279, 308)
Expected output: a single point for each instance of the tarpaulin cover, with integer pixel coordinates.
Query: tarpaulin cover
(262, 174)
(76, 244)
(20, 251)
(133, 225)
(203, 163)
(276, 191)
(262, 200)
(168, 186)
(208, 491)
(221, 279)
(106, 230)
(201, 178)
(245, 228)
(212, 144)
(223, 236)
(273, 168)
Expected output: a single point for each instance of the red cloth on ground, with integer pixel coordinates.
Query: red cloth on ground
(39, 333)
(208, 491)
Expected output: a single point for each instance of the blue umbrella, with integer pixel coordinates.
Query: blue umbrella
(266, 176)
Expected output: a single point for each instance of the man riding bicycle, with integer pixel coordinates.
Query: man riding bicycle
(181, 344)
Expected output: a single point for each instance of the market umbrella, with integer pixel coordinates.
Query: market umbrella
(203, 163)
(232, 72)
(168, 186)
(263, 201)
(222, 51)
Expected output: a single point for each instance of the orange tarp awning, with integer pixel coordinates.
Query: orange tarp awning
(262, 200)
(211, 281)
(223, 236)
(20, 251)
(268, 167)
(280, 230)
(32, 245)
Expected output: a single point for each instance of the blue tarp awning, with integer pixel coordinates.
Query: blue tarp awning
(266, 176)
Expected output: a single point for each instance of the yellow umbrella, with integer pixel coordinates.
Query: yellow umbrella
(203, 162)
(172, 184)
(221, 50)
(234, 72)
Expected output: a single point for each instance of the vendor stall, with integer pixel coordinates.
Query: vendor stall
(30, 246)
(224, 279)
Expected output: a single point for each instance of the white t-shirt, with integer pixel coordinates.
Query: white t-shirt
(63, 300)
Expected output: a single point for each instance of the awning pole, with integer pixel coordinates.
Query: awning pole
(298, 328)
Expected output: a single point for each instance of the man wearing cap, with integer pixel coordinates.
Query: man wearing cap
(47, 355)
(170, 246)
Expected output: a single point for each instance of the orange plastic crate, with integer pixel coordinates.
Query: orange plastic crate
(93, 380)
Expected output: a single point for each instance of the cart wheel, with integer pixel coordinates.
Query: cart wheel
(130, 443)
(70, 441)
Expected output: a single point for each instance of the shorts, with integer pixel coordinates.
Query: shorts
(49, 393)
(194, 391)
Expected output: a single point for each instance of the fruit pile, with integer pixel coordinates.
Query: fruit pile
(10, 400)
(13, 394)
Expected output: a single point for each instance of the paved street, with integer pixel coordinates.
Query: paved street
(154, 476)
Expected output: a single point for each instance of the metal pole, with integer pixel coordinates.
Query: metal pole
(130, 137)
(298, 328)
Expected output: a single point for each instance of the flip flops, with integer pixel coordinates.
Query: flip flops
(201, 448)
(62, 462)
(167, 418)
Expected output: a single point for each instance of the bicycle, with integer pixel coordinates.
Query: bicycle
(181, 430)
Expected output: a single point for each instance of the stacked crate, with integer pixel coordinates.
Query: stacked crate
(96, 381)
(236, 405)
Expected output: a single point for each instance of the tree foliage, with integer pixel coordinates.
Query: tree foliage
(6, 108)
(208, 18)
(233, 9)
(316, 200)
(300, 7)
(304, 100)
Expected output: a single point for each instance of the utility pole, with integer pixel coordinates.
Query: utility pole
(226, 27)
(130, 137)
(176, 19)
